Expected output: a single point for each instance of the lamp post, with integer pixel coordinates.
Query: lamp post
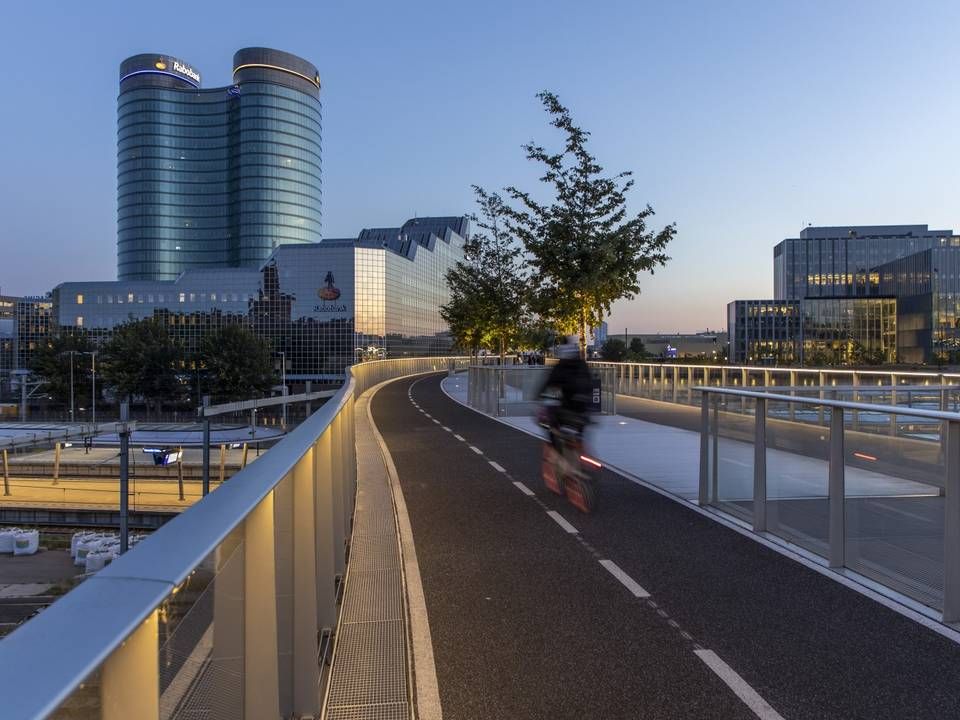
(71, 353)
(93, 378)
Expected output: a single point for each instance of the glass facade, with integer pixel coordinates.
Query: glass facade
(219, 177)
(324, 305)
(843, 261)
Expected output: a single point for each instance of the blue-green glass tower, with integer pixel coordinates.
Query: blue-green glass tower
(215, 177)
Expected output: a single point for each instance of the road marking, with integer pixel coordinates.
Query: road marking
(435, 420)
(739, 686)
(562, 522)
(477, 450)
(496, 466)
(460, 438)
(428, 415)
(447, 429)
(523, 488)
(628, 582)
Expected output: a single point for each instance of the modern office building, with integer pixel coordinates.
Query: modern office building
(855, 295)
(323, 305)
(215, 177)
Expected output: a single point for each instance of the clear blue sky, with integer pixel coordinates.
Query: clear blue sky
(743, 121)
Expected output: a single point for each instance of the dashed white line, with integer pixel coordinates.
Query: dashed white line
(496, 466)
(460, 438)
(428, 415)
(477, 450)
(435, 420)
(628, 582)
(523, 488)
(562, 522)
(741, 689)
(447, 429)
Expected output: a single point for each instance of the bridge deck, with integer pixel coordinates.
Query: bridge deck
(537, 611)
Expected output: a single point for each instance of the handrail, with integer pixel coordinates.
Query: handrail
(780, 369)
(845, 404)
(46, 659)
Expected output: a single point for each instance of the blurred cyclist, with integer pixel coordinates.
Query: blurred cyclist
(570, 377)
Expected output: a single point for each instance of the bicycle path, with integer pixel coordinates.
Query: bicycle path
(531, 620)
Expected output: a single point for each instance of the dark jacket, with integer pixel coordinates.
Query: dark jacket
(571, 377)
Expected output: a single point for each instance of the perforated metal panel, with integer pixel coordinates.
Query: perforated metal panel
(370, 675)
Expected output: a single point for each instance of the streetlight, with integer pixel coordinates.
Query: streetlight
(71, 353)
(93, 376)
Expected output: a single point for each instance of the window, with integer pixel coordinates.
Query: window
(79, 299)
(79, 320)
(183, 297)
(129, 297)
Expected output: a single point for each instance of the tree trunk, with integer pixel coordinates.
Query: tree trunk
(583, 333)
(502, 351)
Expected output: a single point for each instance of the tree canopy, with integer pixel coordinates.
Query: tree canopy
(52, 361)
(487, 303)
(585, 250)
(236, 364)
(140, 360)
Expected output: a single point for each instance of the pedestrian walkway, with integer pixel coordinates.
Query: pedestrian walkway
(669, 458)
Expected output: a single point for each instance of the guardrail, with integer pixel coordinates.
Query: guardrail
(502, 390)
(225, 611)
(874, 509)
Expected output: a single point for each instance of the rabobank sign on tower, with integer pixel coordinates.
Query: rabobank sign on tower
(163, 65)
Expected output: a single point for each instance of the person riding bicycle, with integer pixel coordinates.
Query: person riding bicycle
(571, 378)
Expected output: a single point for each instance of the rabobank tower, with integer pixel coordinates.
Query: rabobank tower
(215, 177)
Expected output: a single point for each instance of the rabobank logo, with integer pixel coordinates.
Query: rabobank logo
(160, 64)
(186, 70)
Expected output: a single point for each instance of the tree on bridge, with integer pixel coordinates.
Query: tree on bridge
(236, 364)
(488, 287)
(585, 250)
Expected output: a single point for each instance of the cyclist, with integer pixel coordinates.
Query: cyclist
(571, 378)
(566, 468)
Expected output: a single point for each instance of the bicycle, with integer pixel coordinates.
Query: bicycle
(570, 470)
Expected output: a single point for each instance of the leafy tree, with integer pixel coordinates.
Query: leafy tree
(637, 351)
(613, 350)
(236, 363)
(585, 250)
(140, 359)
(487, 287)
(52, 360)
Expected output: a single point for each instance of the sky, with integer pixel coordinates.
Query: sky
(742, 121)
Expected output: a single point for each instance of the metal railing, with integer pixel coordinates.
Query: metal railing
(886, 508)
(678, 382)
(503, 390)
(225, 611)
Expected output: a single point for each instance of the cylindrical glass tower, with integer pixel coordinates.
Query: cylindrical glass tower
(216, 177)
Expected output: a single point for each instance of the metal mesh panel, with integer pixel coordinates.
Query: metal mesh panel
(201, 641)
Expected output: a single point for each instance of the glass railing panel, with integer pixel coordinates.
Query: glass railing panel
(731, 457)
(894, 511)
(797, 474)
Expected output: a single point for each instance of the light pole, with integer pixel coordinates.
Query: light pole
(283, 381)
(93, 378)
(71, 353)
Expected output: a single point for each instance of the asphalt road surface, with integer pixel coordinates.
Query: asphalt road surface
(531, 620)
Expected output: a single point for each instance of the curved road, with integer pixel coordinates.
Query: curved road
(537, 611)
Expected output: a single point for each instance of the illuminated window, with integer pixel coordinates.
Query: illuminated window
(79, 299)
(129, 297)
(79, 320)
(183, 297)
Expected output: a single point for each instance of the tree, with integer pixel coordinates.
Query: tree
(236, 363)
(585, 251)
(487, 287)
(637, 351)
(613, 350)
(52, 360)
(140, 359)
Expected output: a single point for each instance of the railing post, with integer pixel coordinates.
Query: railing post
(130, 683)
(760, 466)
(306, 671)
(793, 393)
(715, 458)
(674, 377)
(327, 548)
(286, 629)
(855, 414)
(704, 487)
(261, 685)
(951, 526)
(893, 401)
(6, 473)
(821, 379)
(837, 490)
(206, 456)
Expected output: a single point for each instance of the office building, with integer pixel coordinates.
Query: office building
(324, 305)
(215, 177)
(858, 294)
